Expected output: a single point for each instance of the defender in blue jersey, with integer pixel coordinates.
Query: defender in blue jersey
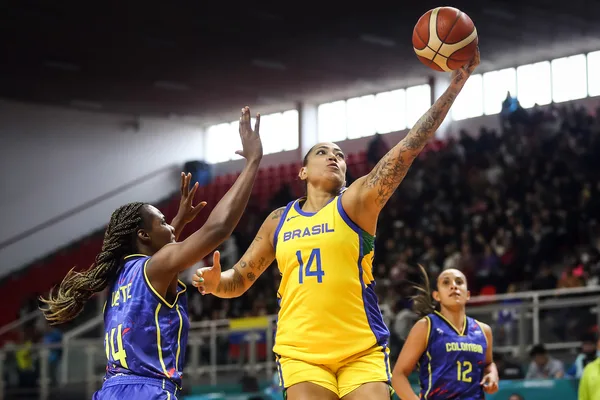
(453, 352)
(145, 317)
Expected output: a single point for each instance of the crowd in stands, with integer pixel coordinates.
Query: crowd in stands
(516, 209)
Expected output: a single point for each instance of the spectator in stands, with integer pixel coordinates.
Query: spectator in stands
(545, 279)
(543, 366)
(27, 363)
(516, 396)
(506, 318)
(589, 352)
(53, 336)
(589, 385)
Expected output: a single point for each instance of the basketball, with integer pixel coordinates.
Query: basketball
(445, 39)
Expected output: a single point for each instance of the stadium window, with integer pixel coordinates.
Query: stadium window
(418, 101)
(390, 109)
(331, 120)
(534, 85)
(235, 143)
(271, 132)
(290, 130)
(221, 142)
(593, 78)
(469, 103)
(495, 86)
(361, 116)
(569, 80)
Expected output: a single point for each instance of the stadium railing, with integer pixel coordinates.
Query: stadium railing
(221, 350)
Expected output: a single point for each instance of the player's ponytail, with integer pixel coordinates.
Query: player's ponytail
(68, 300)
(423, 303)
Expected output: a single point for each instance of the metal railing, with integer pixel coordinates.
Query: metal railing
(534, 317)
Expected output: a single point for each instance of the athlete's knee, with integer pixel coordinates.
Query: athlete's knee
(310, 391)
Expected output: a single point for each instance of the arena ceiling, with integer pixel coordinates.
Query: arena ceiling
(207, 59)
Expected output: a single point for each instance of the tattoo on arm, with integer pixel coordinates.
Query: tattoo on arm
(277, 213)
(245, 271)
(261, 263)
(393, 167)
(231, 285)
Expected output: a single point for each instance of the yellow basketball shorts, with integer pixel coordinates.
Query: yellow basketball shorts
(372, 365)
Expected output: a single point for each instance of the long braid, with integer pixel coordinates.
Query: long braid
(68, 301)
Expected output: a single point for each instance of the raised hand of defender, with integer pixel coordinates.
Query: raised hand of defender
(251, 144)
(207, 279)
(187, 210)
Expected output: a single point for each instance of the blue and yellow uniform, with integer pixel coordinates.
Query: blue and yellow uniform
(145, 337)
(453, 364)
(330, 330)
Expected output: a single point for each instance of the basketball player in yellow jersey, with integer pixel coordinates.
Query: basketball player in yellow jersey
(331, 341)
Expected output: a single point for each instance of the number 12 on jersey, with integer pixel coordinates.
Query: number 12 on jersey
(463, 371)
(313, 258)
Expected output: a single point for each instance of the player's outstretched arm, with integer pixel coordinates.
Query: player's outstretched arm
(365, 198)
(177, 257)
(235, 281)
(413, 349)
(490, 373)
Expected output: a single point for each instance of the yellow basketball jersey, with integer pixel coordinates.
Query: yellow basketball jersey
(328, 307)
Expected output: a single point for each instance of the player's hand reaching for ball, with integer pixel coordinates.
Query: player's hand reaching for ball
(207, 279)
(490, 383)
(460, 76)
(251, 144)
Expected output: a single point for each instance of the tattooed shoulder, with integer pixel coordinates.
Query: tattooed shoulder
(277, 213)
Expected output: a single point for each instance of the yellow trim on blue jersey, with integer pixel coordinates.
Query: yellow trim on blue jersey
(430, 377)
(482, 331)
(428, 331)
(464, 329)
(135, 255)
(158, 345)
(104, 306)
(162, 299)
(178, 338)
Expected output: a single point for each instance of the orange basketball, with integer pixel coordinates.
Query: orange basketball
(445, 39)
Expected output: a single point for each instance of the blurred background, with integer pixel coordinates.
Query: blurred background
(102, 103)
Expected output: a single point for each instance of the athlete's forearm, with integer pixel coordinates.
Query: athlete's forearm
(231, 284)
(402, 387)
(230, 208)
(393, 167)
(178, 225)
(428, 124)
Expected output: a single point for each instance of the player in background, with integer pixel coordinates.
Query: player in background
(145, 318)
(453, 351)
(331, 341)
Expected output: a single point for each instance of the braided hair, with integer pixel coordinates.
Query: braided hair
(423, 302)
(67, 302)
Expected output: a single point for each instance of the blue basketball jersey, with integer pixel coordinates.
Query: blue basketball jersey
(452, 365)
(144, 334)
